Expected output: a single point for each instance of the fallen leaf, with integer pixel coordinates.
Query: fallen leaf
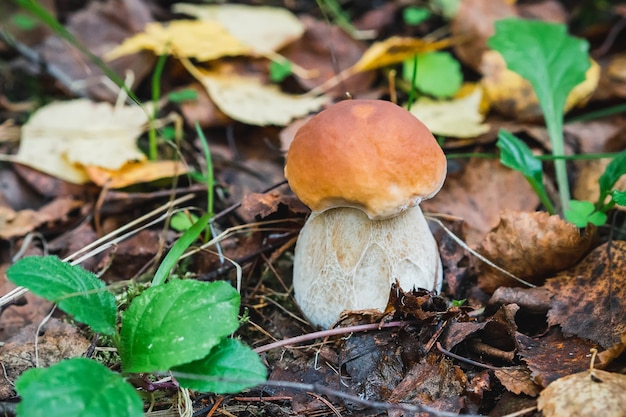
(459, 117)
(479, 192)
(517, 380)
(262, 28)
(262, 205)
(513, 96)
(202, 40)
(135, 173)
(585, 394)
(395, 50)
(62, 136)
(531, 246)
(589, 299)
(19, 223)
(247, 100)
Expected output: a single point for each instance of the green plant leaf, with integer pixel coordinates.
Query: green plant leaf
(76, 387)
(517, 155)
(230, 367)
(182, 221)
(279, 70)
(581, 213)
(414, 15)
(76, 291)
(614, 170)
(180, 96)
(554, 63)
(619, 197)
(176, 323)
(438, 73)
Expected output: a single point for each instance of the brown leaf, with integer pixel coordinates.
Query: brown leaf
(531, 246)
(479, 192)
(553, 356)
(589, 299)
(588, 393)
(262, 205)
(517, 380)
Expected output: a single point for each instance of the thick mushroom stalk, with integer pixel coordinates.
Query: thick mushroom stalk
(363, 166)
(345, 261)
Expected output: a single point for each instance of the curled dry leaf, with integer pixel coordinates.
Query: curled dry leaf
(513, 96)
(589, 300)
(19, 223)
(532, 246)
(517, 380)
(585, 394)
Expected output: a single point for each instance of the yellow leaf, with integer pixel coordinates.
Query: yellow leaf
(262, 28)
(135, 173)
(248, 100)
(62, 136)
(459, 117)
(395, 50)
(201, 40)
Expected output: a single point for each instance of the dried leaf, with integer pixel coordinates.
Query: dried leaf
(202, 40)
(135, 173)
(589, 300)
(249, 101)
(585, 394)
(61, 136)
(517, 380)
(532, 246)
(262, 205)
(459, 117)
(395, 50)
(262, 28)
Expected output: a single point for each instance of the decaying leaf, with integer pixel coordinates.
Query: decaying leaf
(248, 100)
(531, 246)
(513, 96)
(589, 299)
(262, 205)
(459, 117)
(202, 40)
(517, 380)
(262, 28)
(479, 192)
(585, 394)
(395, 50)
(135, 173)
(62, 136)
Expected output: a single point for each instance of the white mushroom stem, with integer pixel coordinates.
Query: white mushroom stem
(345, 261)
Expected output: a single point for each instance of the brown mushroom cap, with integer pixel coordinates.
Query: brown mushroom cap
(368, 154)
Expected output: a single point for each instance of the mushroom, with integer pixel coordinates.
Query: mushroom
(363, 167)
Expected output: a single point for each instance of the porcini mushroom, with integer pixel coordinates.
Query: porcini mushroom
(363, 167)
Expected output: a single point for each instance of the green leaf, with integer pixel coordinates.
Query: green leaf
(554, 63)
(544, 54)
(414, 15)
(614, 170)
(182, 221)
(438, 73)
(517, 155)
(76, 291)
(619, 197)
(172, 257)
(24, 21)
(188, 94)
(279, 70)
(230, 367)
(176, 323)
(581, 213)
(76, 387)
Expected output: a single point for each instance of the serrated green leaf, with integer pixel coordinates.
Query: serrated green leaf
(413, 15)
(438, 73)
(76, 291)
(230, 367)
(544, 54)
(619, 197)
(517, 155)
(614, 170)
(580, 213)
(76, 387)
(175, 323)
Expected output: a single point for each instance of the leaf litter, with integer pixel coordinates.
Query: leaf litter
(485, 344)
